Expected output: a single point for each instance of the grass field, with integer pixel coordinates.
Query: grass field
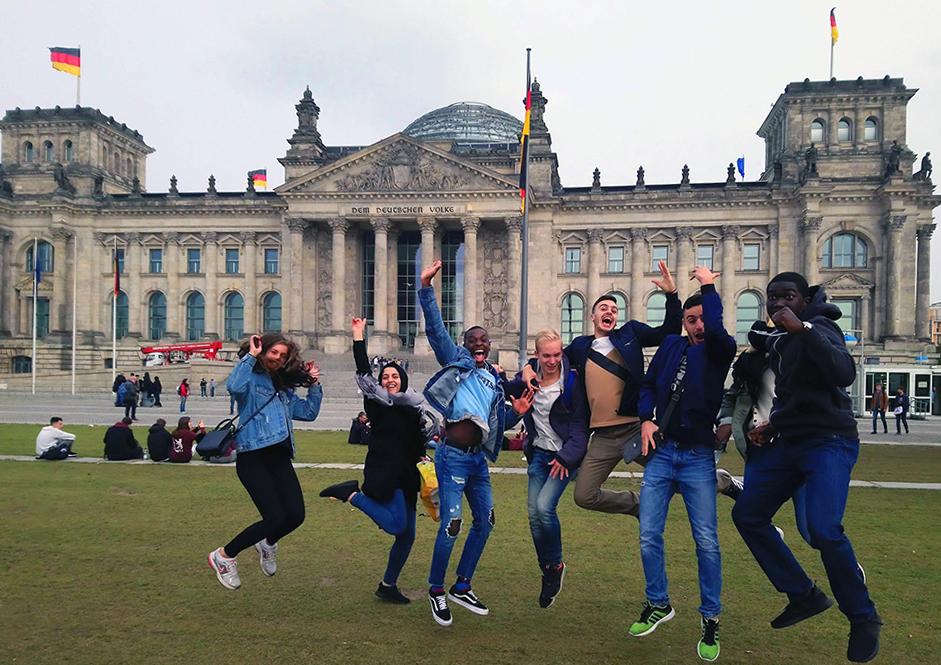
(107, 564)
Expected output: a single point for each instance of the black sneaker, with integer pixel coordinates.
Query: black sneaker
(439, 607)
(341, 491)
(468, 600)
(864, 640)
(552, 577)
(735, 487)
(798, 610)
(392, 594)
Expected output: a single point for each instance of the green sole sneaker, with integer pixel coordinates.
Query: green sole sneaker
(651, 617)
(708, 647)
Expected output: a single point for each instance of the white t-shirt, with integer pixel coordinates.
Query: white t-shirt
(546, 437)
(602, 345)
(50, 436)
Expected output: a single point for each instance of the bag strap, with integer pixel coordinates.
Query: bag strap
(605, 363)
(676, 388)
(257, 411)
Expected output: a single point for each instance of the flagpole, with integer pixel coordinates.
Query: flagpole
(35, 307)
(114, 315)
(74, 302)
(78, 85)
(524, 276)
(831, 57)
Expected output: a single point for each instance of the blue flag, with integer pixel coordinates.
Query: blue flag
(37, 272)
(741, 166)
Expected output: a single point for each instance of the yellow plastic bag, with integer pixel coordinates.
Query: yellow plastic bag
(429, 488)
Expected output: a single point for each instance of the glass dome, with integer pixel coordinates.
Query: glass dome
(466, 122)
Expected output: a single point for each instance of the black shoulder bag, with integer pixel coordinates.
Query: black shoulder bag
(676, 391)
(217, 441)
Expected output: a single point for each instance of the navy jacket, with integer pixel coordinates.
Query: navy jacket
(707, 365)
(629, 341)
(568, 416)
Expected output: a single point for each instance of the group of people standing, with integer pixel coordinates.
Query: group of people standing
(587, 407)
(899, 404)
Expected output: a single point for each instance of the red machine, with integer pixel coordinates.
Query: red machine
(154, 356)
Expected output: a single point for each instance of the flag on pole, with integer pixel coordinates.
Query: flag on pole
(834, 33)
(117, 274)
(524, 140)
(68, 60)
(741, 166)
(259, 178)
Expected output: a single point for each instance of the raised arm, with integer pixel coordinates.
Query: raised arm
(672, 322)
(446, 351)
(359, 347)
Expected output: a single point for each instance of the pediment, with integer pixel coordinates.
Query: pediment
(848, 282)
(571, 238)
(752, 233)
(707, 235)
(659, 235)
(399, 164)
(25, 288)
(617, 238)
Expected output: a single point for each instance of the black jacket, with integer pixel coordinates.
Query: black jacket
(120, 443)
(812, 370)
(158, 443)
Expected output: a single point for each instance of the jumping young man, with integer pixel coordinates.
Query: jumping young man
(684, 386)
(810, 440)
(469, 393)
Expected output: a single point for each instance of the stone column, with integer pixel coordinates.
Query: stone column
(809, 226)
(427, 226)
(894, 226)
(923, 285)
(864, 318)
(295, 286)
(133, 264)
(773, 230)
(210, 267)
(392, 306)
(514, 238)
(595, 263)
(685, 260)
(252, 306)
(61, 295)
(471, 225)
(638, 268)
(6, 283)
(336, 341)
(380, 227)
(727, 281)
(173, 256)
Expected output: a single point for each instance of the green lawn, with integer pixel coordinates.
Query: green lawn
(107, 564)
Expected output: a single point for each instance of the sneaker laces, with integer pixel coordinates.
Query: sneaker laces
(226, 566)
(441, 602)
(710, 631)
(647, 612)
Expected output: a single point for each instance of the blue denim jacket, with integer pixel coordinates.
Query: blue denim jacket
(458, 365)
(251, 389)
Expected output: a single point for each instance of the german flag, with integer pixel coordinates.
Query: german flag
(259, 178)
(834, 33)
(68, 60)
(524, 139)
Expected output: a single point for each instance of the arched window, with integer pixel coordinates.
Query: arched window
(117, 163)
(871, 129)
(69, 153)
(844, 131)
(46, 255)
(845, 250)
(621, 302)
(195, 316)
(123, 318)
(157, 315)
(22, 365)
(573, 317)
(748, 311)
(48, 153)
(656, 309)
(130, 168)
(28, 151)
(817, 131)
(271, 313)
(234, 316)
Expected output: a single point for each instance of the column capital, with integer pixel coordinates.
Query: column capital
(248, 237)
(470, 223)
(5, 236)
(773, 229)
(514, 223)
(296, 224)
(729, 232)
(639, 233)
(101, 237)
(427, 223)
(810, 224)
(925, 230)
(173, 238)
(595, 236)
(684, 233)
(60, 233)
(894, 223)
(210, 238)
(380, 224)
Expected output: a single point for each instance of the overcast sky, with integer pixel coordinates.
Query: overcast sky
(212, 85)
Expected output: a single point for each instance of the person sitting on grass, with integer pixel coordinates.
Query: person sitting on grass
(391, 479)
(159, 441)
(53, 443)
(185, 436)
(120, 443)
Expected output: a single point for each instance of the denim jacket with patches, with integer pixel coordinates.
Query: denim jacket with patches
(273, 424)
(458, 365)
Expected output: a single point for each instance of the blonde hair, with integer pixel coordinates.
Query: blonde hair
(546, 335)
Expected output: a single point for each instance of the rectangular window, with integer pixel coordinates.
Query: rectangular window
(231, 261)
(369, 277)
(42, 317)
(705, 254)
(659, 253)
(850, 310)
(615, 259)
(409, 270)
(119, 256)
(751, 256)
(573, 259)
(156, 261)
(192, 261)
(452, 283)
(271, 261)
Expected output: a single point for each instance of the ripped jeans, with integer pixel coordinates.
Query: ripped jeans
(461, 473)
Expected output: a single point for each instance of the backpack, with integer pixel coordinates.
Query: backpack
(179, 389)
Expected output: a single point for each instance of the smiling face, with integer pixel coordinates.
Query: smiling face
(604, 316)
(785, 295)
(477, 341)
(693, 325)
(549, 354)
(273, 359)
(390, 380)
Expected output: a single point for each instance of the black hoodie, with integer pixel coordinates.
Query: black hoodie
(812, 370)
(158, 443)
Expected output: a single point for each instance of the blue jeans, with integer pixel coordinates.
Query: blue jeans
(460, 473)
(822, 464)
(396, 518)
(544, 494)
(875, 414)
(692, 472)
(182, 404)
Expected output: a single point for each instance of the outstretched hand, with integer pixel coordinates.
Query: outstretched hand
(525, 401)
(704, 275)
(429, 273)
(359, 329)
(665, 283)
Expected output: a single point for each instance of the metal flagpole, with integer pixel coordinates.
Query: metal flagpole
(32, 361)
(114, 315)
(74, 303)
(831, 58)
(524, 276)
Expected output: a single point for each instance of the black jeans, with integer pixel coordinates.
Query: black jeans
(901, 419)
(268, 476)
(130, 408)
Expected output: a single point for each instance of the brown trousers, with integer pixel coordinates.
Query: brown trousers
(607, 447)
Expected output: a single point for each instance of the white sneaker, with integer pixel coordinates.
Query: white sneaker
(226, 569)
(268, 557)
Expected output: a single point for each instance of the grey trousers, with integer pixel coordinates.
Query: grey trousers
(607, 447)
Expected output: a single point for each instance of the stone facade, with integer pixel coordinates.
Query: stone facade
(838, 201)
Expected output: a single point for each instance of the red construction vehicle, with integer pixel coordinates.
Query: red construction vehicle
(154, 356)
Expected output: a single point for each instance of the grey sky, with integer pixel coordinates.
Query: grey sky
(212, 85)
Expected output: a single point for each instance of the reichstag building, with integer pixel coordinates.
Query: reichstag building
(842, 199)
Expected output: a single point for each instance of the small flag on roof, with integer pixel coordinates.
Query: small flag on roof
(68, 60)
(259, 178)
